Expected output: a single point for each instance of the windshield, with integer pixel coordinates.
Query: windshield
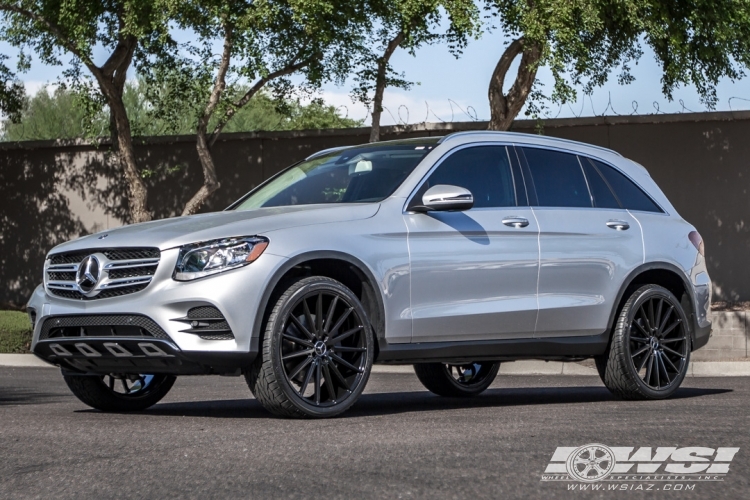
(353, 175)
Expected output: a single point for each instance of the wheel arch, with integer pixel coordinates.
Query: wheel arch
(663, 274)
(342, 267)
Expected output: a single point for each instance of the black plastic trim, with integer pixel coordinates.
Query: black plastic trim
(495, 350)
(175, 361)
(664, 266)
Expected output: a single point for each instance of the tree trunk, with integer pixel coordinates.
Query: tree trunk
(111, 78)
(380, 84)
(138, 192)
(202, 145)
(504, 108)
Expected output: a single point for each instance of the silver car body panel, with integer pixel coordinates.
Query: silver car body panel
(583, 265)
(472, 277)
(453, 277)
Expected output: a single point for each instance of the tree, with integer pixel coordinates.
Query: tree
(53, 28)
(261, 43)
(59, 114)
(582, 42)
(11, 92)
(407, 24)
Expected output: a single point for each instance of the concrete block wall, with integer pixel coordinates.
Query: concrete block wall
(729, 339)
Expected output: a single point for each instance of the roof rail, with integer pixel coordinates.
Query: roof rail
(521, 134)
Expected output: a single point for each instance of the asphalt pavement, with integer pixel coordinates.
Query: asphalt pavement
(210, 439)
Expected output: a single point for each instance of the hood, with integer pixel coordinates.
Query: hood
(177, 231)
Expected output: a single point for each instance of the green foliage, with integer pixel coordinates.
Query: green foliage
(696, 42)
(263, 42)
(11, 91)
(61, 114)
(15, 332)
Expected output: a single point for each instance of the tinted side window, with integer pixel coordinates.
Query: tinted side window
(483, 170)
(630, 195)
(558, 178)
(600, 192)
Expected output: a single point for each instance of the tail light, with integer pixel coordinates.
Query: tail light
(697, 241)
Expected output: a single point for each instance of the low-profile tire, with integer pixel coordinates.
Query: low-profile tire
(601, 364)
(650, 348)
(317, 351)
(456, 381)
(120, 393)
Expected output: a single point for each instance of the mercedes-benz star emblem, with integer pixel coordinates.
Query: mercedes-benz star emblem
(88, 274)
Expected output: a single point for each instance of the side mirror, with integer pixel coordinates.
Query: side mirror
(443, 198)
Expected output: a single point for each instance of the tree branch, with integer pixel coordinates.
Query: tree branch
(286, 70)
(220, 82)
(210, 180)
(380, 84)
(504, 108)
(54, 30)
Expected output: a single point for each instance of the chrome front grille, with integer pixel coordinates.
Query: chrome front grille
(100, 273)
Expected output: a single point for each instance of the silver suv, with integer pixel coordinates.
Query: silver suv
(452, 254)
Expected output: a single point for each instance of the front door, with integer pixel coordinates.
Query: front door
(474, 273)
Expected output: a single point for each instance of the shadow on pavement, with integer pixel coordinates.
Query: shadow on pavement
(9, 397)
(422, 401)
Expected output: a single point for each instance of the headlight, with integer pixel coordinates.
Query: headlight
(210, 257)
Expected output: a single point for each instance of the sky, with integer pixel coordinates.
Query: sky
(449, 89)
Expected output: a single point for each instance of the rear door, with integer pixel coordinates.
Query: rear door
(474, 273)
(588, 243)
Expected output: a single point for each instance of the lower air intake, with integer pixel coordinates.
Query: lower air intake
(208, 323)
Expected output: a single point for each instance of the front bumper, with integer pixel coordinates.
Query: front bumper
(102, 356)
(237, 294)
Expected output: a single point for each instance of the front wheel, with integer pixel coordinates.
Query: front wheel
(317, 351)
(120, 393)
(455, 381)
(650, 349)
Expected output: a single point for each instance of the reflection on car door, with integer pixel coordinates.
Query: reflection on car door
(474, 273)
(588, 243)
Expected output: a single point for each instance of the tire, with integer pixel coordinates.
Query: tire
(456, 381)
(103, 393)
(601, 364)
(317, 351)
(650, 348)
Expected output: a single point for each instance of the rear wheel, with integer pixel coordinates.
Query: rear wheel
(120, 392)
(317, 351)
(650, 349)
(455, 381)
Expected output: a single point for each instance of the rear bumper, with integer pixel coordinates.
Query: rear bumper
(702, 334)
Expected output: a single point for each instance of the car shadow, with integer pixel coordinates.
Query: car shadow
(392, 403)
(468, 227)
(28, 397)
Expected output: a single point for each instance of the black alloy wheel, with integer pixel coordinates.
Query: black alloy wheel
(658, 343)
(117, 392)
(318, 351)
(458, 380)
(650, 349)
(327, 349)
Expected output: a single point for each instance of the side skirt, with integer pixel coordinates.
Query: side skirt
(559, 348)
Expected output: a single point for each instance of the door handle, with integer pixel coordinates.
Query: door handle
(618, 225)
(515, 221)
